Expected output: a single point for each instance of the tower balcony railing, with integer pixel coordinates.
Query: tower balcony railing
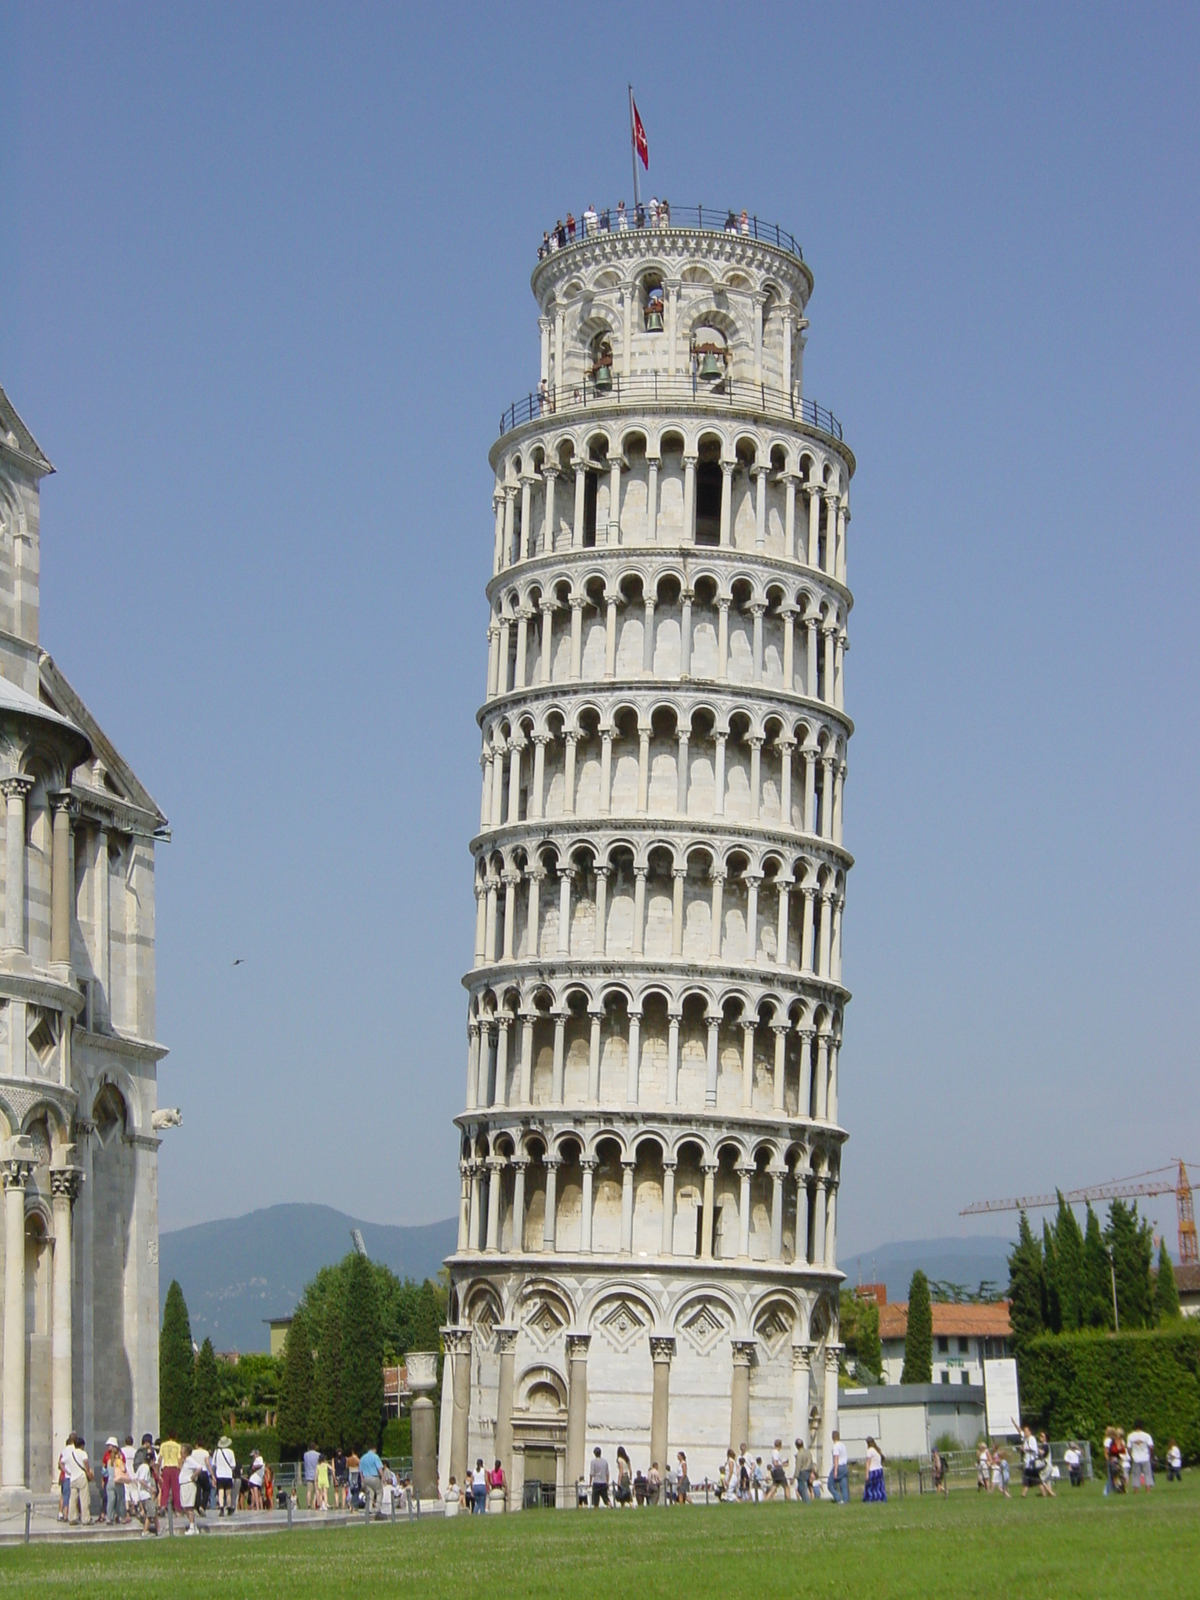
(649, 389)
(661, 216)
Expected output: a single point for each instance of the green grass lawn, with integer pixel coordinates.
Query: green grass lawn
(1080, 1544)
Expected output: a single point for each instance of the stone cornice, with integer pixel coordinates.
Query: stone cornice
(142, 1050)
(660, 971)
(479, 1262)
(696, 831)
(39, 988)
(593, 1120)
(675, 247)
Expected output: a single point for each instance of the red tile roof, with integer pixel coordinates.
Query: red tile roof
(982, 1322)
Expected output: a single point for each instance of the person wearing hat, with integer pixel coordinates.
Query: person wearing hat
(113, 1506)
(224, 1469)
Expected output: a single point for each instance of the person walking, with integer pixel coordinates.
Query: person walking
(370, 1469)
(195, 1465)
(654, 1485)
(1174, 1463)
(479, 1488)
(1141, 1455)
(803, 1472)
(1029, 1461)
(624, 1493)
(983, 1469)
(683, 1485)
(779, 1477)
(224, 1464)
(874, 1490)
(341, 1477)
(170, 1460)
(1073, 1461)
(1045, 1466)
(938, 1462)
(258, 1468)
(312, 1459)
(839, 1470)
(598, 1478)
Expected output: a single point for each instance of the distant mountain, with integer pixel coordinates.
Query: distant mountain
(965, 1261)
(238, 1271)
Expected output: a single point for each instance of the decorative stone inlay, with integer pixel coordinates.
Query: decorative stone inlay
(620, 1323)
(704, 1325)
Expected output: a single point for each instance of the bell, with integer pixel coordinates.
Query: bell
(654, 320)
(711, 366)
(603, 378)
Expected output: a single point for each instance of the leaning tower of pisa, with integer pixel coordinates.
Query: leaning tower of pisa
(650, 1145)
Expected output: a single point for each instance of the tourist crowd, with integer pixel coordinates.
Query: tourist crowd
(657, 214)
(138, 1482)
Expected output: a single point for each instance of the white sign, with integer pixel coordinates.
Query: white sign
(1001, 1397)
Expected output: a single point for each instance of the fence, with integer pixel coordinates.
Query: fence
(709, 219)
(650, 389)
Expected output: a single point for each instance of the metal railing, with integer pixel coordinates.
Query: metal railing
(661, 388)
(710, 219)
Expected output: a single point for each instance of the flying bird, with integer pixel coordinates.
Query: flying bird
(238, 961)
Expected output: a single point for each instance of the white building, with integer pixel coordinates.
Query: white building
(650, 1146)
(964, 1337)
(78, 1058)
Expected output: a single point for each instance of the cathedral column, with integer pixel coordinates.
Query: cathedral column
(814, 524)
(777, 1176)
(806, 1038)
(689, 499)
(826, 931)
(739, 1409)
(783, 894)
(606, 744)
(802, 1254)
(710, 1090)
(477, 1220)
(786, 746)
(520, 670)
(818, 1253)
(597, 1018)
(806, 952)
(802, 1355)
(61, 884)
(519, 1164)
(678, 875)
(788, 613)
(16, 1169)
(464, 1214)
(489, 927)
(457, 1342)
(497, 781)
(759, 474)
(662, 1348)
(602, 875)
(648, 637)
(673, 1020)
(627, 1165)
(727, 471)
(472, 1065)
(506, 1343)
(748, 1028)
(480, 920)
(722, 639)
(510, 497)
(550, 475)
(780, 1030)
(525, 1081)
(831, 1102)
(614, 500)
(667, 1248)
(495, 1166)
(843, 519)
(15, 791)
(810, 657)
(633, 1071)
(510, 881)
(577, 605)
(577, 1354)
(709, 1168)
(831, 1226)
(610, 636)
(789, 517)
(822, 1071)
(757, 611)
(493, 667)
(580, 486)
(570, 740)
(565, 874)
(587, 1165)
(556, 1082)
(839, 778)
(681, 774)
(756, 744)
(652, 464)
(685, 633)
(831, 533)
(537, 800)
(643, 789)
(829, 636)
(714, 943)
(744, 1173)
(639, 909)
(753, 879)
(533, 912)
(500, 1083)
(551, 1164)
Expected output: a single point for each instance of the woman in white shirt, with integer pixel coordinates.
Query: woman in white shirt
(258, 1469)
(874, 1491)
(451, 1497)
(224, 1466)
(195, 1462)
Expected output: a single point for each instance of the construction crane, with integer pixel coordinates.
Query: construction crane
(1153, 1182)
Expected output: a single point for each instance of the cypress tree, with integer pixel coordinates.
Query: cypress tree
(1132, 1246)
(918, 1338)
(1026, 1288)
(870, 1347)
(295, 1389)
(1068, 1251)
(206, 1399)
(1095, 1306)
(176, 1368)
(327, 1420)
(1052, 1307)
(362, 1356)
(1166, 1291)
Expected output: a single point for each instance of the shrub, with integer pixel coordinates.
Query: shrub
(1076, 1385)
(247, 1440)
(397, 1438)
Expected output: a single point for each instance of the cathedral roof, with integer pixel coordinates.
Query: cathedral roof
(17, 437)
(120, 778)
(14, 699)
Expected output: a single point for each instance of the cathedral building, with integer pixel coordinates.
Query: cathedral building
(78, 1054)
(650, 1146)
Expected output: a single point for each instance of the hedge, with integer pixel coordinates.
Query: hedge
(397, 1437)
(247, 1440)
(1077, 1384)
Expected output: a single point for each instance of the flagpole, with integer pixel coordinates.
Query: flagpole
(633, 151)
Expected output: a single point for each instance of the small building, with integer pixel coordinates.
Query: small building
(1187, 1281)
(279, 1331)
(396, 1392)
(964, 1337)
(905, 1420)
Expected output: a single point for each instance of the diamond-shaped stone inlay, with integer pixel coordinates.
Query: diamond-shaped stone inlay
(774, 1327)
(703, 1326)
(621, 1323)
(543, 1322)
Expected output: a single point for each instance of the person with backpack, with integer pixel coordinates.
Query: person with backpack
(79, 1472)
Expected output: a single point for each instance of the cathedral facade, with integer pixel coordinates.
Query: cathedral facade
(78, 1052)
(650, 1145)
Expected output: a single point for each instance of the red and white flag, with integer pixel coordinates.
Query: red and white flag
(640, 143)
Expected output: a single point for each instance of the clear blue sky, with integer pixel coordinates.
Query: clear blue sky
(263, 294)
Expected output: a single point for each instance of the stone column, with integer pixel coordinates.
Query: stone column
(810, 790)
(807, 1035)
(627, 1165)
(814, 524)
(639, 909)
(678, 874)
(689, 499)
(652, 465)
(598, 929)
(748, 1028)
(556, 1082)
(614, 499)
(518, 1215)
(802, 1355)
(537, 800)
(421, 1367)
(719, 774)
(64, 1186)
(685, 633)
(831, 1098)
(831, 1226)
(14, 1171)
(810, 657)
(577, 1354)
(673, 1020)
(722, 640)
(806, 940)
(510, 881)
(789, 517)
(818, 1251)
(783, 892)
(788, 613)
(587, 1166)
(727, 470)
(756, 744)
(610, 636)
(597, 1018)
(739, 1410)
(520, 671)
(564, 910)
(753, 879)
(710, 1088)
(714, 942)
(759, 474)
(464, 1206)
(709, 1169)
(580, 486)
(672, 326)
(500, 1076)
(681, 775)
(829, 1419)
(661, 1350)
(780, 1030)
(506, 1339)
(533, 912)
(745, 1174)
(15, 791)
(668, 1222)
(802, 1217)
(822, 1076)
(831, 532)
(778, 1176)
(458, 1347)
(550, 474)
(61, 884)
(476, 1169)
(551, 1164)
(495, 1166)
(480, 922)
(643, 787)
(570, 740)
(633, 1069)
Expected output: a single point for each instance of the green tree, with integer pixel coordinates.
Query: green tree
(176, 1368)
(1132, 1246)
(206, 1399)
(918, 1338)
(362, 1356)
(1095, 1304)
(1068, 1250)
(870, 1347)
(327, 1423)
(1166, 1291)
(1052, 1305)
(295, 1388)
(1026, 1288)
